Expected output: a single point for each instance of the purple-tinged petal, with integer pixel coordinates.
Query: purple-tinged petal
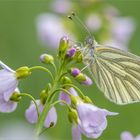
(8, 93)
(31, 112)
(73, 91)
(51, 118)
(7, 106)
(8, 82)
(137, 137)
(6, 67)
(65, 97)
(87, 82)
(92, 120)
(76, 134)
(126, 136)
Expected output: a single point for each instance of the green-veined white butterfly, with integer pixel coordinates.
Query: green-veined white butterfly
(116, 72)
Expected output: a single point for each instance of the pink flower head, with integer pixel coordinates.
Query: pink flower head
(8, 82)
(32, 117)
(65, 97)
(92, 120)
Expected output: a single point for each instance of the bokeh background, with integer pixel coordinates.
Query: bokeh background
(23, 38)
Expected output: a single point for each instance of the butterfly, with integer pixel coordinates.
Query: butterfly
(116, 72)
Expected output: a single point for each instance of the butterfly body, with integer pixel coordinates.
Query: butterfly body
(116, 72)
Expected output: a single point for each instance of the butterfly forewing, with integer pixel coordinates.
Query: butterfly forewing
(117, 74)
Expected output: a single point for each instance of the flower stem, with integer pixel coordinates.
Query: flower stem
(76, 88)
(32, 98)
(49, 100)
(42, 68)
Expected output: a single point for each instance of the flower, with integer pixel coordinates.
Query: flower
(76, 134)
(61, 6)
(8, 82)
(32, 116)
(50, 29)
(7, 106)
(121, 31)
(65, 97)
(94, 22)
(92, 120)
(128, 136)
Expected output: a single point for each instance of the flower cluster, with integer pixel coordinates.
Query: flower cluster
(86, 118)
(106, 23)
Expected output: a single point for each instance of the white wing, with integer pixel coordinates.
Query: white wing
(117, 74)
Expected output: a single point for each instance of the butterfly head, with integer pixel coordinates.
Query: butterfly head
(90, 42)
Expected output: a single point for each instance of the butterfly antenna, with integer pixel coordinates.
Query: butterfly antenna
(75, 18)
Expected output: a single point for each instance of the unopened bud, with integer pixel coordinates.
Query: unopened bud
(71, 52)
(47, 59)
(73, 116)
(63, 47)
(22, 72)
(43, 96)
(75, 71)
(87, 99)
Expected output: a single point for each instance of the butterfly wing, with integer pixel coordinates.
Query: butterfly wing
(117, 74)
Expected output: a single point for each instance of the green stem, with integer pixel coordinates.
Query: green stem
(49, 100)
(42, 68)
(53, 64)
(76, 88)
(41, 120)
(32, 98)
(61, 101)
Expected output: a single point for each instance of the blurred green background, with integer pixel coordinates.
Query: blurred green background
(19, 45)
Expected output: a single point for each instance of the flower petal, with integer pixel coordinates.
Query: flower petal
(7, 106)
(6, 67)
(31, 112)
(76, 134)
(51, 118)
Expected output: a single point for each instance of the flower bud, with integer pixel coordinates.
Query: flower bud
(47, 59)
(87, 82)
(80, 77)
(65, 80)
(43, 96)
(15, 96)
(22, 72)
(73, 116)
(63, 47)
(71, 52)
(75, 71)
(78, 56)
(87, 99)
